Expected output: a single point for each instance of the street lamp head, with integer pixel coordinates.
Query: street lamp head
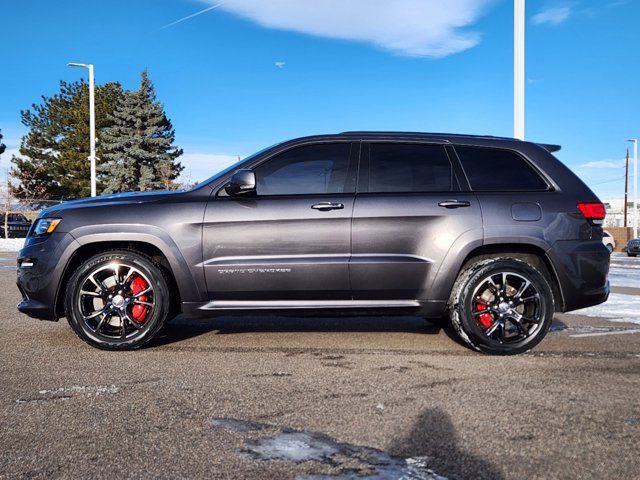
(84, 65)
(633, 140)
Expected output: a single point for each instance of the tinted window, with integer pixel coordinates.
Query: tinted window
(312, 169)
(498, 170)
(409, 168)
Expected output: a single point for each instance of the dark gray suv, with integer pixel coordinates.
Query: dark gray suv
(494, 233)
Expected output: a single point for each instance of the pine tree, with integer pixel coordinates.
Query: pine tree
(138, 148)
(53, 161)
(2, 145)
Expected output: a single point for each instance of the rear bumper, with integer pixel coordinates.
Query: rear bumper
(633, 249)
(582, 268)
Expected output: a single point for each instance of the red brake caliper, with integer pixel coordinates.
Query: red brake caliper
(139, 312)
(485, 319)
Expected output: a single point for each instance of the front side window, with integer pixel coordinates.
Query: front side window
(310, 169)
(495, 169)
(396, 167)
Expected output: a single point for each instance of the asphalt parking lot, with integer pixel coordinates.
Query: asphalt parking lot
(283, 398)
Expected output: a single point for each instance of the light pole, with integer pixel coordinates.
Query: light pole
(518, 68)
(92, 124)
(635, 187)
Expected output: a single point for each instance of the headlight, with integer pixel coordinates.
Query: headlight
(45, 226)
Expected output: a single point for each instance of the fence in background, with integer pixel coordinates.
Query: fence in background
(621, 236)
(29, 208)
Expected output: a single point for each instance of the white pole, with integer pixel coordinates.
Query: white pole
(635, 188)
(92, 123)
(518, 68)
(92, 130)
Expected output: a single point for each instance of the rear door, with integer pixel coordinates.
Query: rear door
(292, 241)
(409, 212)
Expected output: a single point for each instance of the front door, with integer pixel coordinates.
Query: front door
(410, 211)
(292, 240)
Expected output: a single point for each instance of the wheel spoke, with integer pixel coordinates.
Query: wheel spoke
(103, 320)
(128, 275)
(529, 298)
(148, 304)
(116, 273)
(143, 292)
(492, 329)
(504, 282)
(131, 322)
(97, 283)
(492, 286)
(93, 315)
(90, 294)
(523, 287)
(123, 324)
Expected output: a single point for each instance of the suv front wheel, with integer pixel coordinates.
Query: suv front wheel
(117, 300)
(501, 306)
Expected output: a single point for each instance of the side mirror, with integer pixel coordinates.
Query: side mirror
(243, 182)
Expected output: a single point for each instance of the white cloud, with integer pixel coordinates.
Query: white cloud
(604, 164)
(417, 28)
(552, 16)
(5, 158)
(200, 166)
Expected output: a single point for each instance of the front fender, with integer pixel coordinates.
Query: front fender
(189, 277)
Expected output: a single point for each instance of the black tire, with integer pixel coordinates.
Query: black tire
(610, 248)
(107, 336)
(464, 312)
(631, 254)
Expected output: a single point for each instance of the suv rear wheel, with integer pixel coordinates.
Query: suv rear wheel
(117, 300)
(501, 306)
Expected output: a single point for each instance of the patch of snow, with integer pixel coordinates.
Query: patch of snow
(82, 389)
(293, 447)
(619, 308)
(11, 244)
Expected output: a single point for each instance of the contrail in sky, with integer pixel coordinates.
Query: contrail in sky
(193, 15)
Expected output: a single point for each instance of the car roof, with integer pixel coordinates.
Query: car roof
(487, 140)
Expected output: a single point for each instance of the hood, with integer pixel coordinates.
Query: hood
(111, 199)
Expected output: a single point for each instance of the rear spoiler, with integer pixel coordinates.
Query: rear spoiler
(550, 148)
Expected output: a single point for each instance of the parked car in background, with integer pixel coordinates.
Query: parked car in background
(17, 225)
(633, 247)
(496, 233)
(608, 241)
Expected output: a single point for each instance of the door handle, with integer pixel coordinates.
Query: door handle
(325, 206)
(454, 204)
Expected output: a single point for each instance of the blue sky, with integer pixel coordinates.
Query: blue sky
(250, 73)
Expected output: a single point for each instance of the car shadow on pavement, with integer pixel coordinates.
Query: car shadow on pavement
(184, 328)
(434, 436)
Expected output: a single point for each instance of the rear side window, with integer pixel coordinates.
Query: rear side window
(398, 168)
(494, 169)
(310, 169)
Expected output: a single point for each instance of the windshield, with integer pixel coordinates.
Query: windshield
(230, 168)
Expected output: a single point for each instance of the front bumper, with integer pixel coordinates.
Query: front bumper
(41, 264)
(582, 268)
(633, 248)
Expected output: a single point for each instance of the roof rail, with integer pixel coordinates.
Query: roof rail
(430, 134)
(550, 148)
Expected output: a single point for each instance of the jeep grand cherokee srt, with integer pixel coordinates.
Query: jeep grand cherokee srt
(495, 233)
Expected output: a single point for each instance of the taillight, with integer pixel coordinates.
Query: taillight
(593, 211)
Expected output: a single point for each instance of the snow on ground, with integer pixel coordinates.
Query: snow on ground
(619, 308)
(624, 271)
(11, 244)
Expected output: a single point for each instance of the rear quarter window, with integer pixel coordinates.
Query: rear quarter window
(496, 169)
